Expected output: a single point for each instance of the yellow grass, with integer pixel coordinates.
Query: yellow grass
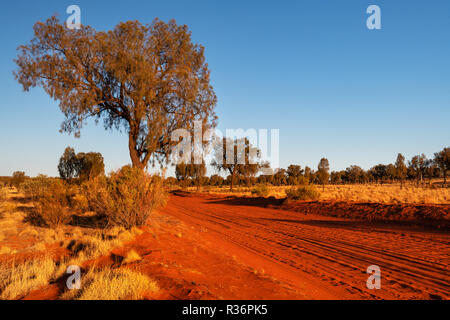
(386, 193)
(18, 280)
(132, 256)
(113, 284)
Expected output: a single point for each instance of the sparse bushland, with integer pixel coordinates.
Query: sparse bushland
(55, 204)
(83, 244)
(127, 197)
(35, 188)
(302, 193)
(409, 193)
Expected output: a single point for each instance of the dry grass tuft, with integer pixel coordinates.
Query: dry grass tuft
(302, 193)
(7, 250)
(132, 256)
(38, 247)
(113, 284)
(16, 281)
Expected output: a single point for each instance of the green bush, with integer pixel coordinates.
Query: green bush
(261, 190)
(127, 197)
(302, 193)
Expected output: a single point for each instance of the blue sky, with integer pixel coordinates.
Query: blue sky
(309, 68)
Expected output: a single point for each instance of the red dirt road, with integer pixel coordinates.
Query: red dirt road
(321, 257)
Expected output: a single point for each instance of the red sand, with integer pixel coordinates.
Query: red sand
(322, 257)
(214, 247)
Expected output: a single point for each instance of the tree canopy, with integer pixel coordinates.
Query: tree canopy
(148, 80)
(323, 171)
(237, 157)
(442, 160)
(83, 166)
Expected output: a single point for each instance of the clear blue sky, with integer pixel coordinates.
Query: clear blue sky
(309, 68)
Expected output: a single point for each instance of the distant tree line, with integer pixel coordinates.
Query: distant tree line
(75, 167)
(418, 169)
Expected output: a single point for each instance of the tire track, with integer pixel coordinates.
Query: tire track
(415, 265)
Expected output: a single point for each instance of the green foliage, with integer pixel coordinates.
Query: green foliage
(417, 166)
(302, 193)
(83, 166)
(442, 160)
(68, 164)
(91, 165)
(323, 173)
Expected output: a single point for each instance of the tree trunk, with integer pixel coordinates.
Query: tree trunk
(445, 177)
(232, 180)
(134, 155)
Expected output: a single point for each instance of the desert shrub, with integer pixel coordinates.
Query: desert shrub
(127, 197)
(18, 178)
(302, 193)
(3, 196)
(302, 180)
(35, 188)
(261, 190)
(54, 204)
(171, 182)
